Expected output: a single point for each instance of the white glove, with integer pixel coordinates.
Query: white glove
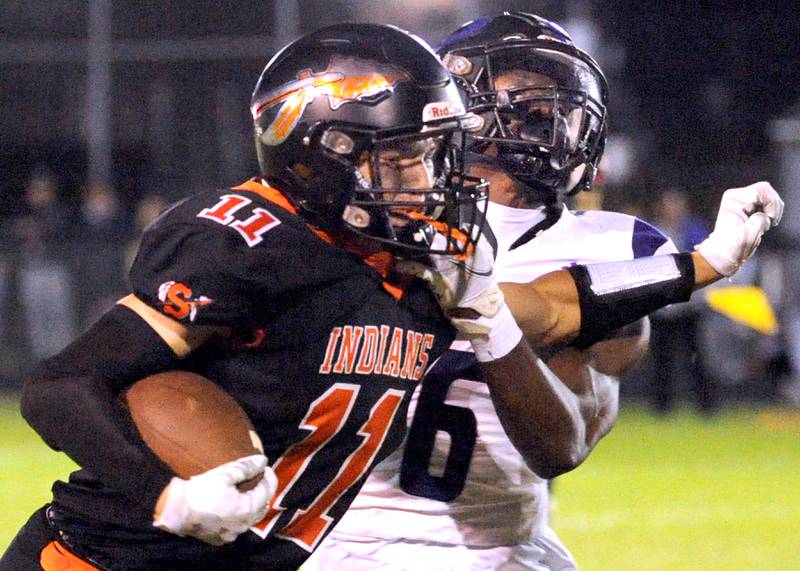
(209, 507)
(467, 292)
(744, 215)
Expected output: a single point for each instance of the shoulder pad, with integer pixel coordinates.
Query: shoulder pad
(225, 257)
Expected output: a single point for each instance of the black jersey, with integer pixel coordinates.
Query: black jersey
(324, 359)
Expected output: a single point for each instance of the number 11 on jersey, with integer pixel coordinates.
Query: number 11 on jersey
(324, 419)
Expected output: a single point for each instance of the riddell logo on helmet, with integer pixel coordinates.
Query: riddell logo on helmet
(178, 301)
(346, 79)
(441, 110)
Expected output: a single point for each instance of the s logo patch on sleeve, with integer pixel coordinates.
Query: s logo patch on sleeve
(178, 302)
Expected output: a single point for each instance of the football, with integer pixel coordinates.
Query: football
(191, 423)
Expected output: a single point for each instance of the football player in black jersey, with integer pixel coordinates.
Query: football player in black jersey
(283, 291)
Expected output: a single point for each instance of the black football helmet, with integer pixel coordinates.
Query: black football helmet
(542, 100)
(350, 99)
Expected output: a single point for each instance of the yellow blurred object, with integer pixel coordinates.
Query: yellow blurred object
(747, 305)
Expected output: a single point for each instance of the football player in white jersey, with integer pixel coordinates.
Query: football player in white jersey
(459, 495)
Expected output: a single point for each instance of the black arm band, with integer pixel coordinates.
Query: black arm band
(72, 402)
(618, 293)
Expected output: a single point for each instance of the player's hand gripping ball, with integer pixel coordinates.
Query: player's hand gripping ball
(223, 484)
(191, 423)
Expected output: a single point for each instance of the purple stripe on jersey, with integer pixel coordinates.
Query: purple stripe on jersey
(646, 239)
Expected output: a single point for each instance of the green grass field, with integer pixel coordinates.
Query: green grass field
(681, 493)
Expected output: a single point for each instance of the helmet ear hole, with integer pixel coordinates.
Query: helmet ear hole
(356, 217)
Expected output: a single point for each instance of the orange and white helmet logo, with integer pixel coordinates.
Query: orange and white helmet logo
(346, 79)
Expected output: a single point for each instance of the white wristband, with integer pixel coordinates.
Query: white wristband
(502, 336)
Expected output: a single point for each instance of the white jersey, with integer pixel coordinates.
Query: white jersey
(458, 481)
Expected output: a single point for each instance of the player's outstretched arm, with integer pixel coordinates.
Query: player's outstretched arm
(583, 304)
(553, 413)
(524, 391)
(72, 402)
(549, 309)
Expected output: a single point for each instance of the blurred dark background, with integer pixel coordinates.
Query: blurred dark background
(111, 109)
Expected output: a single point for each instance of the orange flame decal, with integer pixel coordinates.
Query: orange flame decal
(346, 79)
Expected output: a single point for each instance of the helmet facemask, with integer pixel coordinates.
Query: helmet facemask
(544, 122)
(405, 184)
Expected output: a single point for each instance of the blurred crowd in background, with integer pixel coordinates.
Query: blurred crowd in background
(113, 110)
(61, 266)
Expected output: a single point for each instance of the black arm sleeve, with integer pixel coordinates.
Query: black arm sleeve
(71, 401)
(604, 309)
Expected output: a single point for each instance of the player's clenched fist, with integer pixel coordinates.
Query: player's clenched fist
(744, 215)
(210, 507)
(466, 289)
